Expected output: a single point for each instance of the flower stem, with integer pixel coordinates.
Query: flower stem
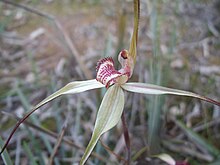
(127, 138)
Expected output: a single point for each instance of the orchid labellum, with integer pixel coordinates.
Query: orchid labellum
(106, 73)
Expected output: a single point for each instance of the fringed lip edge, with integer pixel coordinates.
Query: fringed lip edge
(102, 61)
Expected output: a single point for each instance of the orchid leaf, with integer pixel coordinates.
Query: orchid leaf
(108, 116)
(70, 88)
(133, 44)
(159, 90)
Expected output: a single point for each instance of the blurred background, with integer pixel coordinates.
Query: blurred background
(46, 44)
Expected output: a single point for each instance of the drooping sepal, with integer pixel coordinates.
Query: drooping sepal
(108, 116)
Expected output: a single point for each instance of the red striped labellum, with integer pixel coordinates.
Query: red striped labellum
(108, 75)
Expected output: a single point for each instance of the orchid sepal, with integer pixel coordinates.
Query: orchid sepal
(159, 90)
(108, 116)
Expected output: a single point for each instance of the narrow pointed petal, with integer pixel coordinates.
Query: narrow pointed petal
(159, 90)
(71, 88)
(133, 44)
(108, 116)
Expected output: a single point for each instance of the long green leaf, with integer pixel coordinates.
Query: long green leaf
(159, 90)
(71, 88)
(109, 114)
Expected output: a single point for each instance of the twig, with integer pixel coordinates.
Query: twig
(206, 125)
(59, 140)
(112, 152)
(188, 151)
(201, 127)
(139, 153)
(67, 39)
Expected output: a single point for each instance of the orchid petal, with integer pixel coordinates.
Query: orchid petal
(70, 88)
(159, 90)
(108, 116)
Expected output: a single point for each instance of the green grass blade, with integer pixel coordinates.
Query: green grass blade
(121, 29)
(155, 102)
(5, 156)
(154, 124)
(108, 116)
(29, 153)
(198, 139)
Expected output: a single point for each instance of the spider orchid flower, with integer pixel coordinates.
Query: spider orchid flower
(115, 81)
